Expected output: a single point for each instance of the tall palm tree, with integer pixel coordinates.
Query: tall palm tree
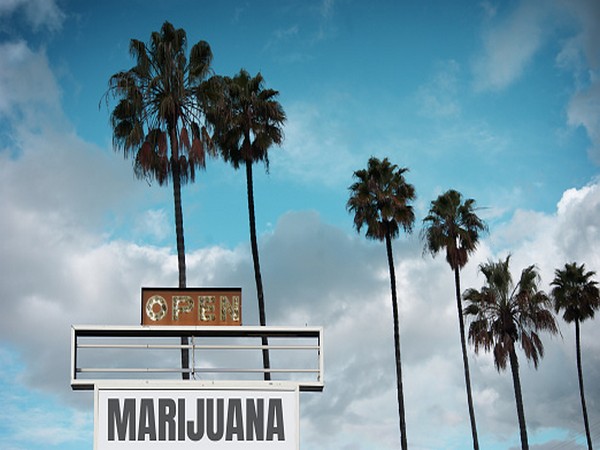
(157, 119)
(505, 314)
(577, 295)
(247, 120)
(380, 200)
(454, 226)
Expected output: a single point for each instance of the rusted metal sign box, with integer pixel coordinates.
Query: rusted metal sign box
(191, 306)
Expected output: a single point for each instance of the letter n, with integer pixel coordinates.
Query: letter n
(255, 419)
(230, 308)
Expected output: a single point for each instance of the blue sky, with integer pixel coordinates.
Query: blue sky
(497, 99)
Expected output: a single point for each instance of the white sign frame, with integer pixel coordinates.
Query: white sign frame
(286, 391)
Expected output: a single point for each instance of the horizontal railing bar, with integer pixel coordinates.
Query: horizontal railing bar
(128, 370)
(196, 370)
(201, 347)
(86, 385)
(208, 331)
(256, 370)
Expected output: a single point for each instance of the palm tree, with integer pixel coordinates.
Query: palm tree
(380, 200)
(453, 225)
(247, 120)
(157, 119)
(577, 295)
(504, 314)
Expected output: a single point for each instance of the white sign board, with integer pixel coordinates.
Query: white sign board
(152, 418)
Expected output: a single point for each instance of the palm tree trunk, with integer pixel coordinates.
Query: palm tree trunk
(401, 411)
(463, 344)
(580, 376)
(179, 228)
(257, 275)
(514, 367)
(185, 356)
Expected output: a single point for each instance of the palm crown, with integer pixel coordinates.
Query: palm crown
(246, 117)
(505, 313)
(454, 226)
(379, 199)
(575, 293)
(157, 105)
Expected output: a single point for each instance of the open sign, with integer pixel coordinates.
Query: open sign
(191, 306)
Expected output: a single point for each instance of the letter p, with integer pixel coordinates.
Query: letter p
(182, 304)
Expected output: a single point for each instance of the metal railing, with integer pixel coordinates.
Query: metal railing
(230, 353)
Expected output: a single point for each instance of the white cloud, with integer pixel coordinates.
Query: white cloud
(439, 96)
(287, 32)
(489, 9)
(28, 90)
(587, 13)
(578, 231)
(154, 224)
(327, 8)
(584, 110)
(580, 56)
(316, 149)
(39, 13)
(43, 423)
(511, 43)
(509, 46)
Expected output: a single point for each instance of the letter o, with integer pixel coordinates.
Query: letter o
(162, 312)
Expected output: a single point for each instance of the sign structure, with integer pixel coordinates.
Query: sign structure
(192, 306)
(138, 408)
(190, 417)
